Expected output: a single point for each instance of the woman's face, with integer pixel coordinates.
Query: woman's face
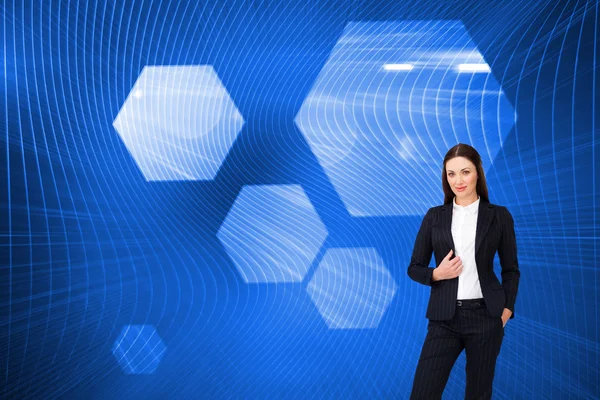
(462, 177)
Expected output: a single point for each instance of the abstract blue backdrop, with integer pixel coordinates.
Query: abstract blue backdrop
(94, 256)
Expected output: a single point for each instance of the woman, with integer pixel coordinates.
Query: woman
(468, 307)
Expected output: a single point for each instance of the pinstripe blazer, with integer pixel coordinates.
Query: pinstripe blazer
(494, 232)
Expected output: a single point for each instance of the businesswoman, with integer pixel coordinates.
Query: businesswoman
(468, 307)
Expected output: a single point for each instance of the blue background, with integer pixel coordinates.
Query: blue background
(89, 246)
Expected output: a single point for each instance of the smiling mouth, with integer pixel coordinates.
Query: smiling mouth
(462, 188)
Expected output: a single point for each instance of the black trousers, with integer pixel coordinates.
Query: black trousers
(473, 329)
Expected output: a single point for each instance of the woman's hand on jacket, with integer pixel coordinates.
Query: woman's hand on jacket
(448, 269)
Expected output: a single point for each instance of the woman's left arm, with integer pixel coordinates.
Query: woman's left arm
(507, 251)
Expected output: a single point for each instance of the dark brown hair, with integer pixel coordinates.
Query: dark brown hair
(468, 152)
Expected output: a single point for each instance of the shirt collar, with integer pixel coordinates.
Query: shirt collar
(472, 208)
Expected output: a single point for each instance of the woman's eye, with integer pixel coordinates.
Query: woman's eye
(466, 172)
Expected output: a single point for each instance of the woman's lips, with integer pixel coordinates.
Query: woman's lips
(461, 189)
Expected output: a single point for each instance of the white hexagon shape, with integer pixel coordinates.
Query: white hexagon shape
(352, 288)
(178, 122)
(391, 100)
(272, 233)
(139, 349)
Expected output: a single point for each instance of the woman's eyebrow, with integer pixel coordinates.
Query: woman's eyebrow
(461, 169)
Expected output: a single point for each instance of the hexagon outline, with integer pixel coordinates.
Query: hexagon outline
(337, 304)
(142, 335)
(286, 215)
(178, 122)
(372, 167)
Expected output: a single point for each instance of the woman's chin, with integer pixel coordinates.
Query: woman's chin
(462, 195)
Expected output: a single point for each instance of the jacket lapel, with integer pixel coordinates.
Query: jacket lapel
(447, 226)
(485, 217)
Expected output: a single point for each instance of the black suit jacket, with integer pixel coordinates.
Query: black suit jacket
(495, 232)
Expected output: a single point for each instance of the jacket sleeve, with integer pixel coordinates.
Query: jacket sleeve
(507, 252)
(419, 270)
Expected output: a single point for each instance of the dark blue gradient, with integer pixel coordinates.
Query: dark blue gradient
(89, 246)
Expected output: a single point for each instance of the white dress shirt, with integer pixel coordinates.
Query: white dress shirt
(464, 226)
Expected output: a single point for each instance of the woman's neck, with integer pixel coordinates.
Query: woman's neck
(466, 202)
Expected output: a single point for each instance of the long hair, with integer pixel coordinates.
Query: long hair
(468, 152)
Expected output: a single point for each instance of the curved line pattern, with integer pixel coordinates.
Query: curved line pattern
(331, 93)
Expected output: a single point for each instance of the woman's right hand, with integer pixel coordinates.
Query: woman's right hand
(448, 269)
